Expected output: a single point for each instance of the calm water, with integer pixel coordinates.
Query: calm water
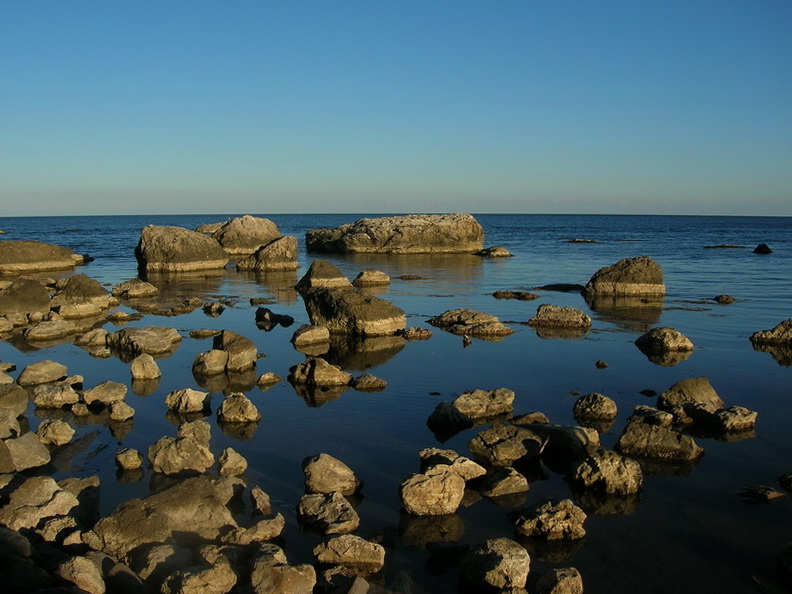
(688, 532)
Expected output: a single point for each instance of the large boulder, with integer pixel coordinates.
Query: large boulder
(33, 256)
(438, 491)
(657, 442)
(79, 289)
(352, 551)
(172, 455)
(34, 500)
(24, 296)
(350, 311)
(629, 277)
(410, 234)
(279, 254)
(609, 473)
(175, 249)
(326, 474)
(497, 565)
(696, 390)
(245, 234)
(42, 372)
(551, 520)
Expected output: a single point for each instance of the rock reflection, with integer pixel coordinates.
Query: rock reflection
(550, 551)
(781, 353)
(120, 429)
(633, 314)
(126, 477)
(655, 467)
(241, 381)
(179, 419)
(238, 431)
(456, 268)
(602, 504)
(599, 425)
(668, 358)
(280, 284)
(418, 531)
(355, 352)
(319, 395)
(548, 332)
(145, 387)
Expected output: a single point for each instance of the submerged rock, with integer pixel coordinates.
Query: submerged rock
(494, 251)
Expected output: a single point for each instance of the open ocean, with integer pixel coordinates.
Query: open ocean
(687, 532)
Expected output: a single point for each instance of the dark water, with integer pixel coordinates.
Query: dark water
(687, 532)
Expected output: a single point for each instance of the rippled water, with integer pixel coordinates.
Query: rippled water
(688, 531)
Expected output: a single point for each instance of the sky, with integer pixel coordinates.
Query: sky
(397, 106)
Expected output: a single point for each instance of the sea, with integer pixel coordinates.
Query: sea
(689, 530)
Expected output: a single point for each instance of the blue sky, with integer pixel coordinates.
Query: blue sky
(546, 106)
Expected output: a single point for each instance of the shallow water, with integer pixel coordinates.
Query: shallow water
(687, 532)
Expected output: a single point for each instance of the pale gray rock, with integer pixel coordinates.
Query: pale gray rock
(499, 564)
(199, 430)
(469, 322)
(595, 406)
(558, 316)
(327, 513)
(351, 551)
(242, 352)
(144, 367)
(175, 249)
(353, 312)
(134, 288)
(50, 330)
(326, 474)
(42, 372)
(105, 393)
(187, 400)
(246, 234)
(128, 459)
(438, 491)
(409, 234)
(278, 255)
(609, 473)
(562, 580)
(690, 391)
(238, 408)
(35, 499)
(653, 441)
(35, 256)
(172, 455)
(663, 340)
(321, 274)
(316, 372)
(551, 520)
(629, 277)
(231, 463)
(54, 432)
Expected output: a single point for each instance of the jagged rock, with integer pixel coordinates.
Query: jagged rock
(595, 406)
(609, 473)
(503, 445)
(54, 432)
(206, 578)
(172, 455)
(472, 406)
(50, 330)
(121, 411)
(371, 278)
(734, 418)
(213, 308)
(781, 334)
(503, 480)
(316, 372)
(261, 531)
(175, 249)
(551, 520)
(187, 400)
(144, 367)
(351, 551)
(498, 565)
(562, 580)
(690, 391)
(277, 255)
(663, 340)
(410, 234)
(42, 372)
(369, 383)
(242, 352)
(165, 515)
(464, 467)
(326, 474)
(327, 513)
(557, 316)
(9, 424)
(246, 234)
(36, 498)
(321, 274)
(654, 441)
(134, 288)
(350, 311)
(34, 256)
(210, 363)
(153, 340)
(23, 297)
(199, 430)
(83, 573)
(154, 564)
(231, 463)
(238, 408)
(271, 574)
(14, 399)
(494, 251)
(105, 393)
(260, 501)
(128, 459)
(268, 379)
(639, 276)
(80, 288)
(23, 452)
(56, 395)
(438, 491)
(470, 323)
(416, 334)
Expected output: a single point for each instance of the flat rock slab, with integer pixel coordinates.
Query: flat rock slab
(33, 256)
(350, 311)
(175, 249)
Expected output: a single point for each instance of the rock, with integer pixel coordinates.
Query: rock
(308, 335)
(519, 295)
(172, 455)
(562, 580)
(96, 338)
(321, 274)
(134, 288)
(175, 249)
(278, 255)
(497, 565)
(199, 430)
(35, 499)
(80, 288)
(210, 363)
(242, 352)
(267, 319)
(128, 459)
(351, 551)
(213, 309)
(144, 367)
(438, 491)
(663, 340)
(464, 467)
(652, 416)
(316, 372)
(494, 251)
(371, 278)
(156, 563)
(724, 299)
(271, 574)
(609, 473)
(654, 441)
(595, 406)
(369, 383)
(482, 404)
(781, 334)
(238, 408)
(23, 297)
(83, 573)
(55, 432)
(42, 372)
(121, 411)
(353, 312)
(23, 452)
(410, 234)
(57, 395)
(35, 256)
(268, 379)
(9, 424)
(246, 234)
(164, 515)
(105, 393)
(502, 445)
(629, 277)
(260, 501)
(690, 391)
(502, 481)
(261, 531)
(326, 474)
(187, 400)
(470, 323)
(218, 577)
(231, 463)
(14, 399)
(327, 513)
(762, 248)
(734, 418)
(551, 520)
(557, 316)
(153, 340)
(50, 330)
(759, 494)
